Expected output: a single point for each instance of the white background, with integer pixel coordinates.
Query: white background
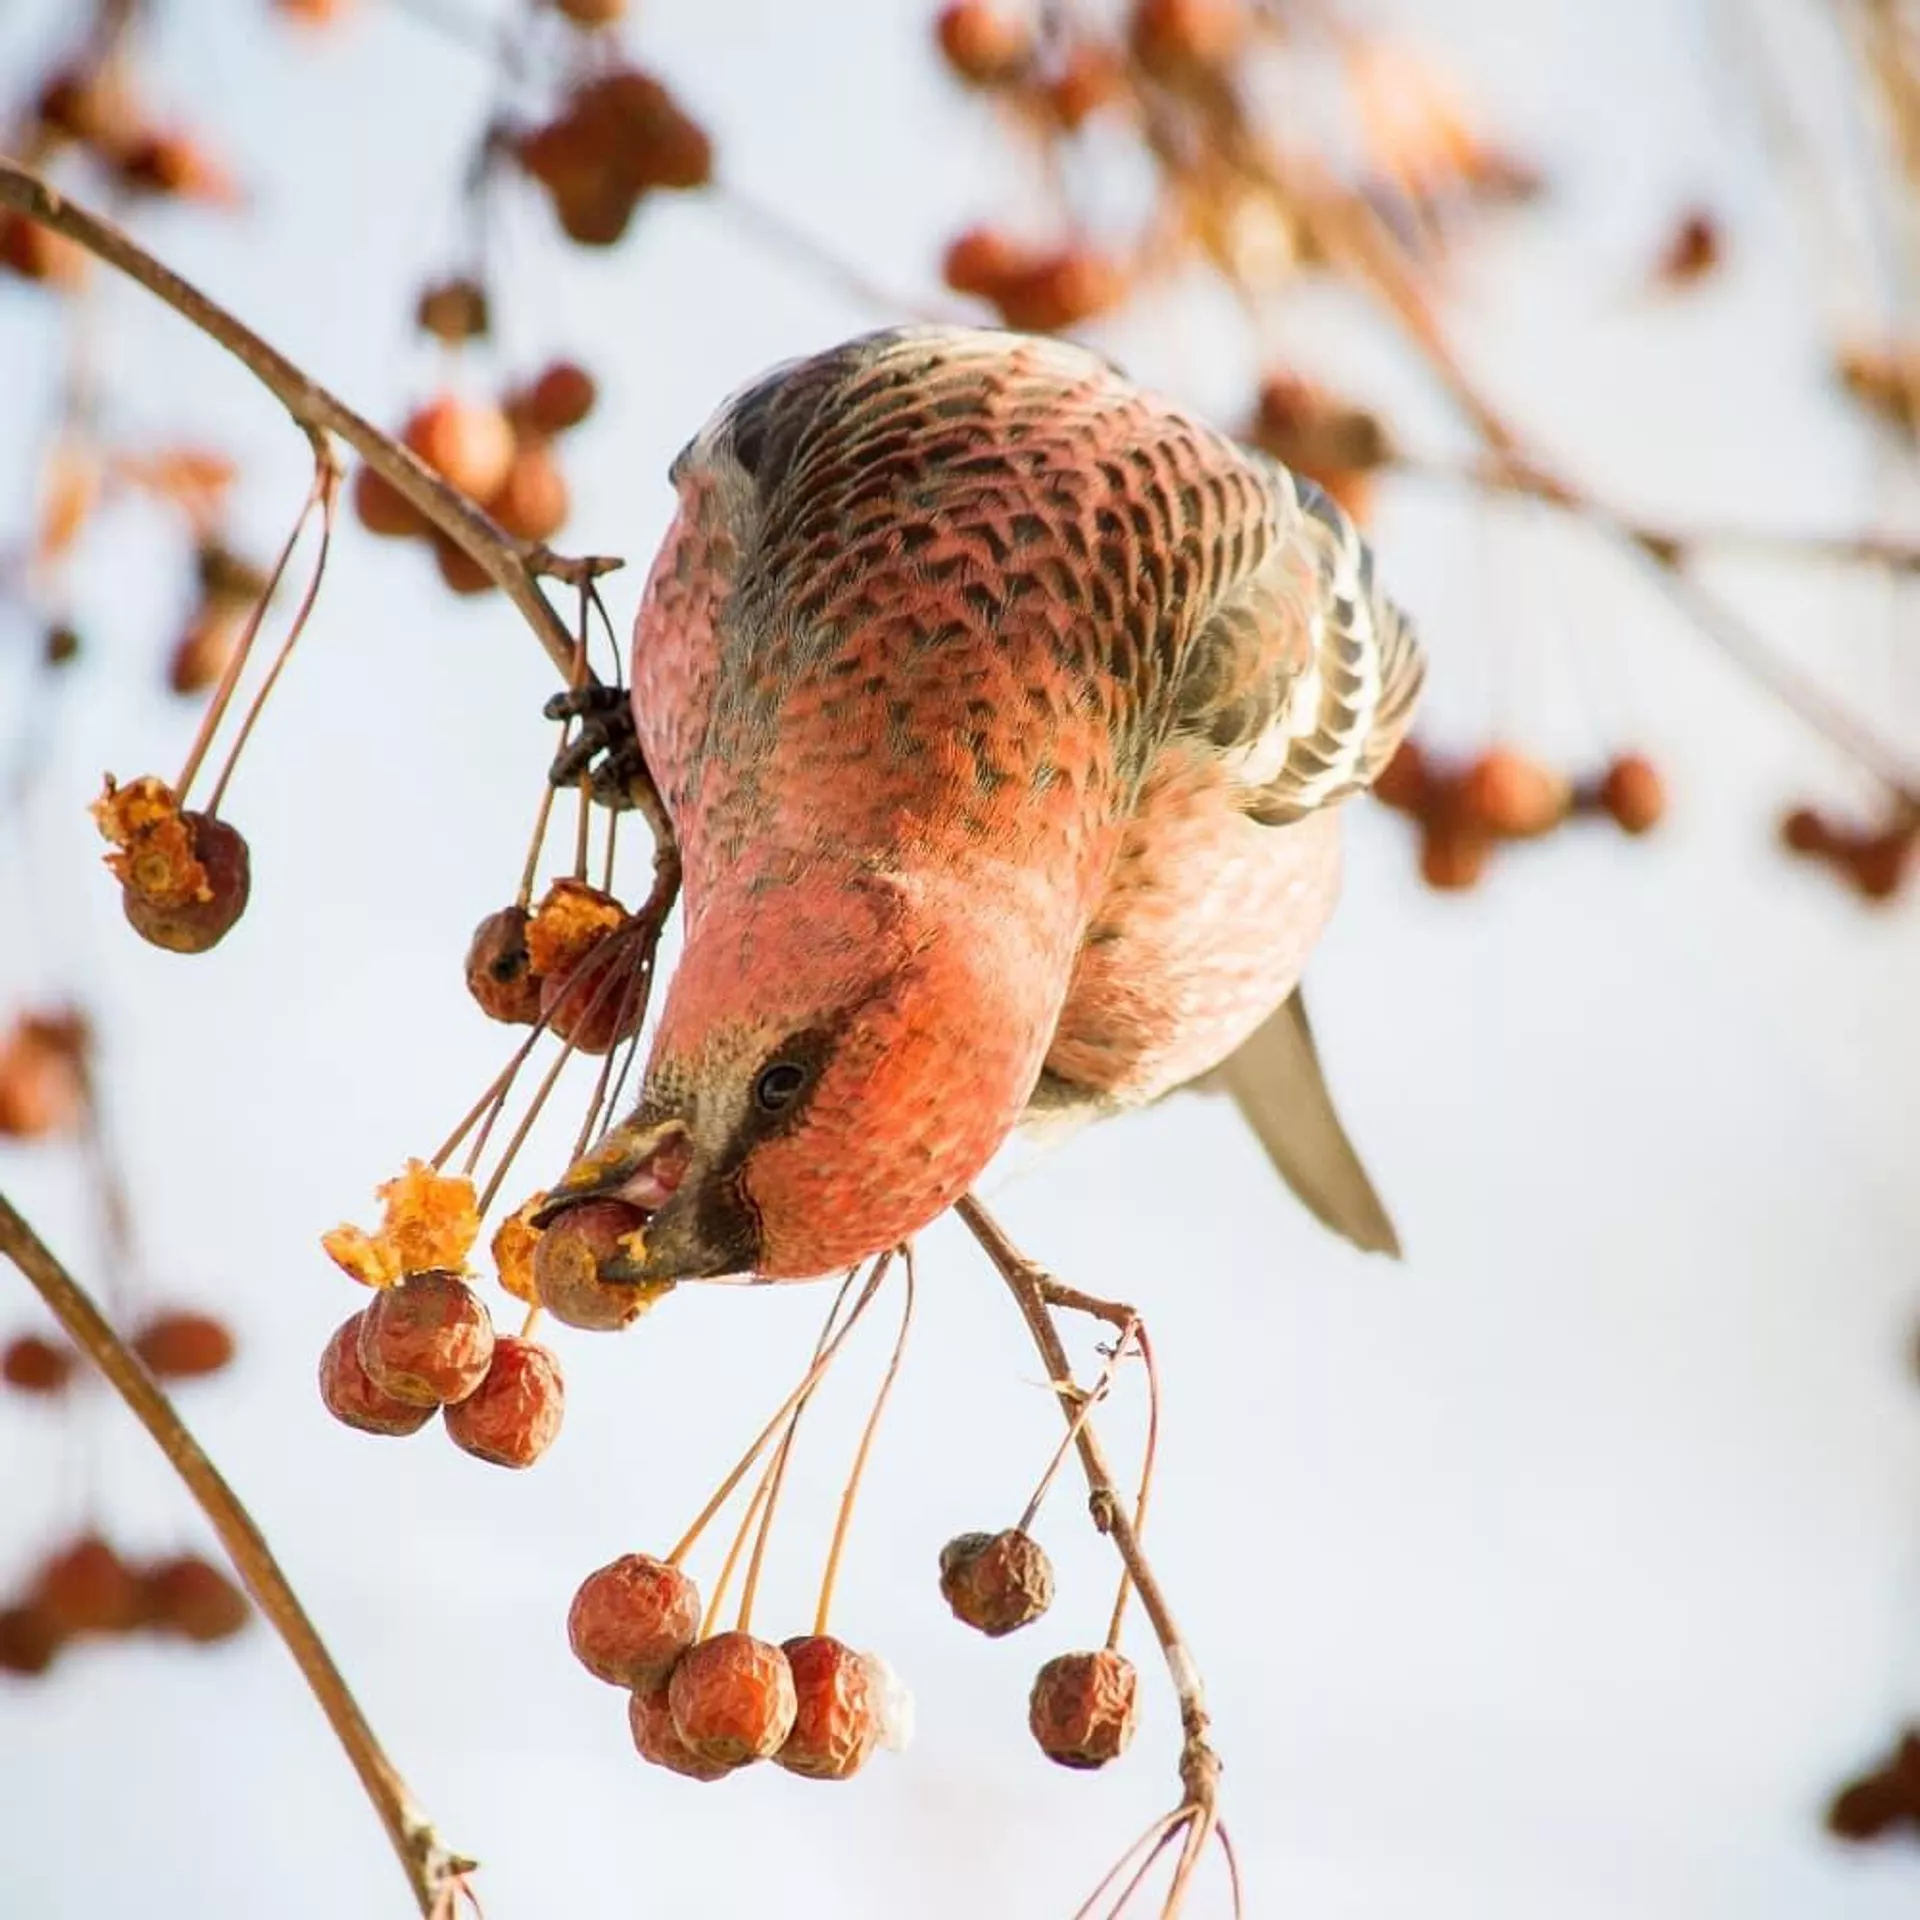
(1560, 1571)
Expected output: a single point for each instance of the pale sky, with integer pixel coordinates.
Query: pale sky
(1561, 1571)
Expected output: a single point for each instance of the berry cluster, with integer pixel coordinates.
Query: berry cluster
(1464, 811)
(567, 965)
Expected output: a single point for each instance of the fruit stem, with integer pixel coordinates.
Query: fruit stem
(430, 1868)
(851, 1492)
(326, 480)
(1148, 1455)
(718, 1498)
(1083, 1412)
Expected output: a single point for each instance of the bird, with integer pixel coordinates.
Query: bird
(1003, 711)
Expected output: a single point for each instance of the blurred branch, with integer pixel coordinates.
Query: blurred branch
(432, 1871)
(1035, 1293)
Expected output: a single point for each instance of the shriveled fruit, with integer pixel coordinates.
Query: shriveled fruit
(733, 1699)
(469, 443)
(568, 1261)
(428, 1341)
(30, 1640)
(596, 1003)
(657, 1740)
(996, 1582)
(351, 1397)
(183, 1346)
(193, 1598)
(1083, 1706)
(1512, 795)
(632, 1619)
(30, 1364)
(500, 973)
(184, 877)
(514, 1415)
(1633, 794)
(836, 1722)
(88, 1588)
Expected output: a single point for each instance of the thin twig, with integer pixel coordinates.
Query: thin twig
(430, 1867)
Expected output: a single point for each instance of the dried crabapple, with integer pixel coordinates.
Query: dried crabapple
(179, 1345)
(657, 1740)
(1452, 857)
(1082, 1707)
(177, 165)
(996, 1582)
(1510, 794)
(43, 1075)
(1877, 862)
(1090, 77)
(1866, 1808)
(982, 260)
(427, 1341)
(514, 1415)
(30, 1640)
(39, 253)
(31, 1364)
(1632, 793)
(500, 973)
(352, 1398)
(560, 398)
(983, 45)
(733, 1699)
(87, 1588)
(571, 1253)
(469, 443)
(531, 502)
(459, 570)
(384, 510)
(1805, 831)
(632, 1619)
(1405, 783)
(836, 1722)
(1061, 290)
(60, 645)
(193, 1598)
(184, 877)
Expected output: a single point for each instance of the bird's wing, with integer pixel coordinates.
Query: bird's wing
(1276, 1080)
(1303, 676)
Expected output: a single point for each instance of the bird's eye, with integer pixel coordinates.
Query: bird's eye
(778, 1085)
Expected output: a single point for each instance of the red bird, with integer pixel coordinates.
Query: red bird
(1003, 712)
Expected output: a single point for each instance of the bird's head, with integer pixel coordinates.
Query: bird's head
(834, 1065)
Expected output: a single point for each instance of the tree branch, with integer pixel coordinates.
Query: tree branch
(432, 1870)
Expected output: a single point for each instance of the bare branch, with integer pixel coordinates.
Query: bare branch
(432, 1870)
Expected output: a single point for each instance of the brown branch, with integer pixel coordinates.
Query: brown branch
(516, 567)
(1031, 1288)
(432, 1870)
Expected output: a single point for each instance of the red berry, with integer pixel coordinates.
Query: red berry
(631, 1620)
(1061, 290)
(996, 1582)
(733, 1699)
(531, 503)
(836, 1722)
(33, 1365)
(1633, 794)
(88, 1588)
(193, 925)
(427, 1341)
(1452, 857)
(657, 1739)
(597, 1002)
(1405, 782)
(568, 1260)
(193, 1598)
(983, 260)
(468, 443)
(1805, 831)
(453, 310)
(560, 398)
(500, 972)
(983, 46)
(183, 1346)
(514, 1415)
(1082, 1708)
(201, 654)
(1182, 39)
(29, 1640)
(459, 570)
(352, 1397)
(1877, 862)
(384, 510)
(1513, 796)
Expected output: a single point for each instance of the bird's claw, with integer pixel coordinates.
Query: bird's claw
(604, 748)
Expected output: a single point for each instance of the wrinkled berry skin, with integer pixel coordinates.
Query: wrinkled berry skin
(836, 1722)
(632, 1619)
(352, 1398)
(733, 1699)
(194, 926)
(996, 1582)
(567, 1263)
(428, 1341)
(657, 1740)
(1083, 1706)
(514, 1415)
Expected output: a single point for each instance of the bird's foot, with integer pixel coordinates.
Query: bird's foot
(604, 748)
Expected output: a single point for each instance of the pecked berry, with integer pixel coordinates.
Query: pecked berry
(1082, 1707)
(632, 1619)
(996, 1582)
(568, 1259)
(733, 1699)
(514, 1415)
(183, 1346)
(836, 1722)
(657, 1740)
(193, 1598)
(30, 1364)
(598, 1002)
(428, 1341)
(500, 973)
(88, 1588)
(351, 1397)
(183, 876)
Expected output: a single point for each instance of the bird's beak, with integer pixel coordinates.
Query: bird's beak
(641, 1162)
